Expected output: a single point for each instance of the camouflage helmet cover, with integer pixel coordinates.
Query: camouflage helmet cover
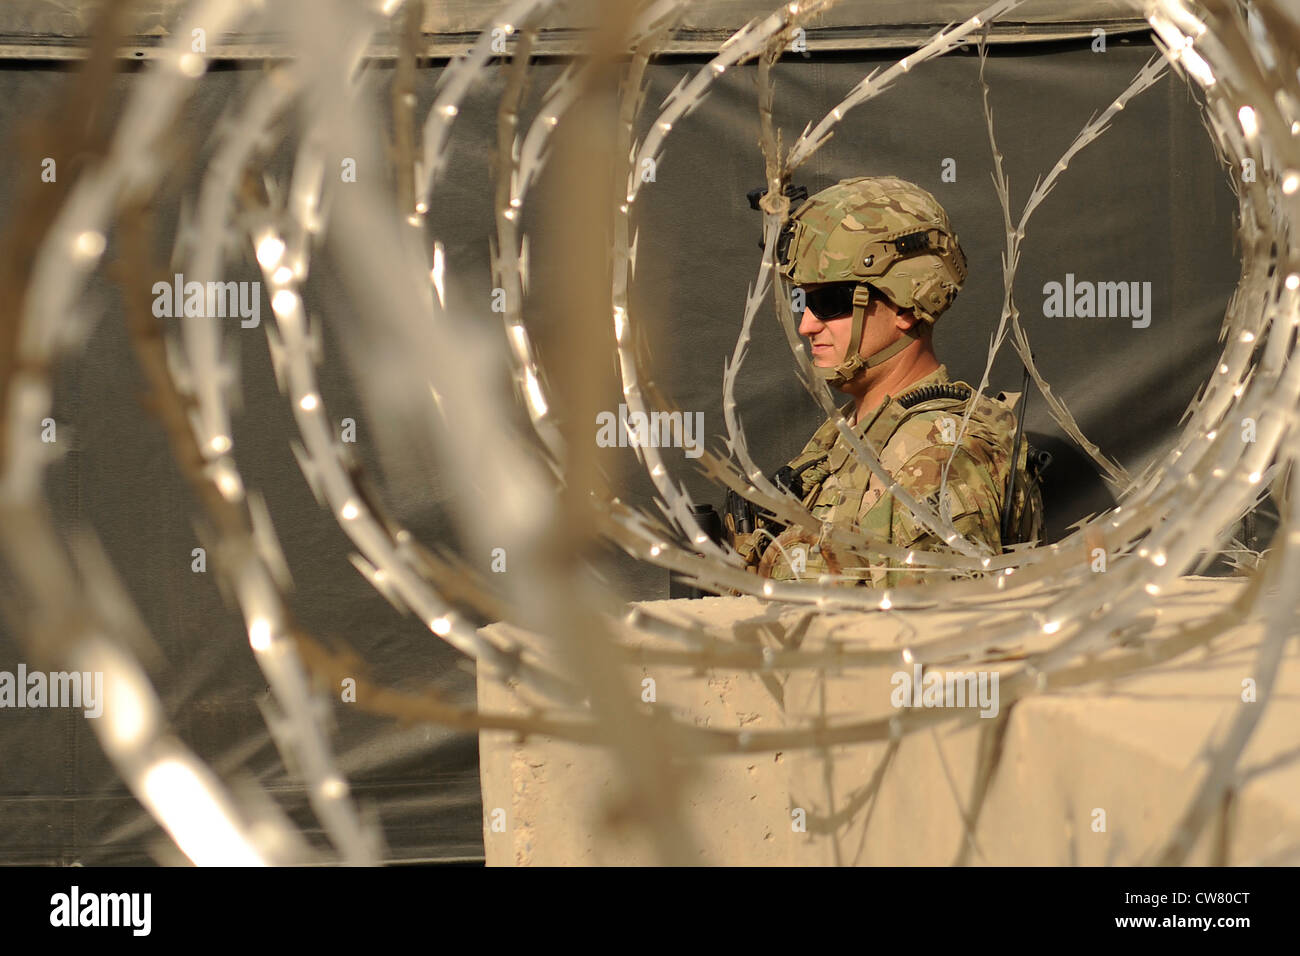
(882, 231)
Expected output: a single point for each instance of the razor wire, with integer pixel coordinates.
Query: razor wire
(1167, 519)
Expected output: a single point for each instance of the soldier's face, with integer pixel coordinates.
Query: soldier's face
(829, 337)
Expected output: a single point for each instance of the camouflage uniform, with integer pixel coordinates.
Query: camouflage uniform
(913, 439)
(886, 236)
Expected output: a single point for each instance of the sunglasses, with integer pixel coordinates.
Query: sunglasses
(830, 301)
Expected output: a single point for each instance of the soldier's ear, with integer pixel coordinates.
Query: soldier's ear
(906, 319)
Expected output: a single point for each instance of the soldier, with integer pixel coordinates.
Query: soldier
(877, 263)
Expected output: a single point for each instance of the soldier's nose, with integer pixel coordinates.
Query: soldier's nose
(809, 324)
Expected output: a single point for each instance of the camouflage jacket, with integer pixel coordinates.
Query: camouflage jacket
(914, 440)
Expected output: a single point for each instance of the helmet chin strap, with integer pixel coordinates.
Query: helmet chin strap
(854, 363)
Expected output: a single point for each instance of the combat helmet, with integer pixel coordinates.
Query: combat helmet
(881, 233)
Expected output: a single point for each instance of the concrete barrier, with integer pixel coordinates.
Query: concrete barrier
(1096, 774)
